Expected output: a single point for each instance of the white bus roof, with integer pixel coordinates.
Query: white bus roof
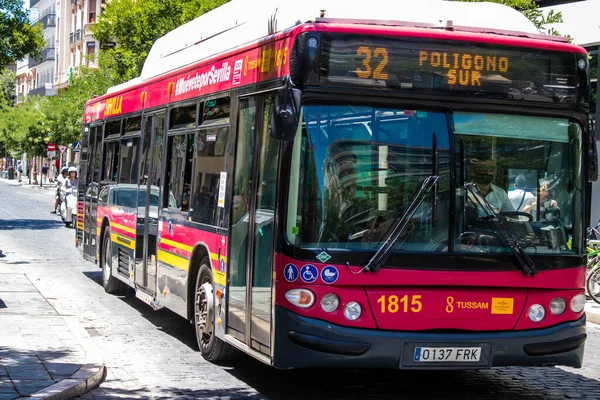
(243, 21)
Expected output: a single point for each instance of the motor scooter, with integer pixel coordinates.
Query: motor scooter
(68, 206)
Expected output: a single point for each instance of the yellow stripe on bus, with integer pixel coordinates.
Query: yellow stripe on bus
(185, 247)
(215, 256)
(218, 277)
(177, 245)
(123, 241)
(173, 260)
(123, 228)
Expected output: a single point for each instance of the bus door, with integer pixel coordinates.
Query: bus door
(252, 225)
(149, 185)
(92, 179)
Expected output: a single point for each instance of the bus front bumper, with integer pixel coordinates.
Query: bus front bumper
(302, 342)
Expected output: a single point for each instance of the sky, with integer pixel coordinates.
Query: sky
(581, 21)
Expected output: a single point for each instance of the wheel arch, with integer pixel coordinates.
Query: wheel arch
(198, 253)
(100, 238)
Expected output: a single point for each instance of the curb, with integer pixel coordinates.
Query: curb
(89, 376)
(592, 317)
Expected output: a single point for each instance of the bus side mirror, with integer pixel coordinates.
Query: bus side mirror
(286, 113)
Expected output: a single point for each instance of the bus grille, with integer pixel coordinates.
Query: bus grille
(123, 268)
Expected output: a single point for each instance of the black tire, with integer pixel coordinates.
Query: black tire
(111, 284)
(212, 348)
(592, 283)
(67, 224)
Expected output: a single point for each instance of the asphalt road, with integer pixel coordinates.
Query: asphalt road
(152, 354)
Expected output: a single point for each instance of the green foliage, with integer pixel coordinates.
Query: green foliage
(7, 85)
(531, 10)
(29, 126)
(17, 36)
(65, 111)
(135, 25)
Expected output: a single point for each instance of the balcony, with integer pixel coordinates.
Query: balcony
(43, 90)
(48, 20)
(47, 55)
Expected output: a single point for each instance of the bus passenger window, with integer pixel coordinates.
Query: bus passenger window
(210, 161)
(111, 161)
(179, 173)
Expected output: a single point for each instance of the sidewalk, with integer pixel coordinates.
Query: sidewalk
(25, 182)
(592, 311)
(43, 355)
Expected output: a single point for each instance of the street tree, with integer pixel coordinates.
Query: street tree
(127, 29)
(64, 112)
(7, 85)
(532, 11)
(17, 36)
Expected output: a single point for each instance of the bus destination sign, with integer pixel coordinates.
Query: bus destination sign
(434, 66)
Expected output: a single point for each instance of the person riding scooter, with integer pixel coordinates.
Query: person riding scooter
(68, 207)
(64, 174)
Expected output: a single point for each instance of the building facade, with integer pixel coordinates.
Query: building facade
(74, 42)
(42, 69)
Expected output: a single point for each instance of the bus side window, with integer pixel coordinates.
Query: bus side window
(179, 173)
(210, 161)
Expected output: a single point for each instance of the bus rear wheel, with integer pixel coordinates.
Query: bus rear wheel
(110, 283)
(211, 347)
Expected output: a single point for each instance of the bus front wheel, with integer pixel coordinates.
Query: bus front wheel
(110, 283)
(211, 347)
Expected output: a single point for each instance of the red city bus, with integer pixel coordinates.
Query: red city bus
(348, 192)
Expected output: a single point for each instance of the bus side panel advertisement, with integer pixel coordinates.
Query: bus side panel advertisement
(268, 61)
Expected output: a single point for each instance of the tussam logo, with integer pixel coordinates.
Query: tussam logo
(198, 81)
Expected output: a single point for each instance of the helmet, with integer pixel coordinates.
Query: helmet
(72, 169)
(64, 169)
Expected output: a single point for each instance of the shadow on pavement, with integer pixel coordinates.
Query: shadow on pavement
(23, 372)
(495, 384)
(164, 320)
(174, 393)
(95, 276)
(37, 224)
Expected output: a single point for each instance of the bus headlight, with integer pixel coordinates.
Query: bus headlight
(330, 302)
(352, 311)
(558, 306)
(302, 298)
(536, 312)
(578, 303)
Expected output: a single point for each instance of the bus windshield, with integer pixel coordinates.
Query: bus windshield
(355, 170)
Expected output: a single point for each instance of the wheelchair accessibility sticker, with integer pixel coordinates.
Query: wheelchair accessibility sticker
(309, 273)
(329, 274)
(291, 273)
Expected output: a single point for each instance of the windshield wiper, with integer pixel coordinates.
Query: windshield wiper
(504, 235)
(381, 256)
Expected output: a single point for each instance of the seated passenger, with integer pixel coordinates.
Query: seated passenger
(549, 209)
(520, 197)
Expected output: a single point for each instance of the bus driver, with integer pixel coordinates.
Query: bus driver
(482, 168)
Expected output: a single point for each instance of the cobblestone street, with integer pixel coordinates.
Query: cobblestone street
(153, 354)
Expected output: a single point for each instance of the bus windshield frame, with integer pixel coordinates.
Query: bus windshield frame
(355, 168)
